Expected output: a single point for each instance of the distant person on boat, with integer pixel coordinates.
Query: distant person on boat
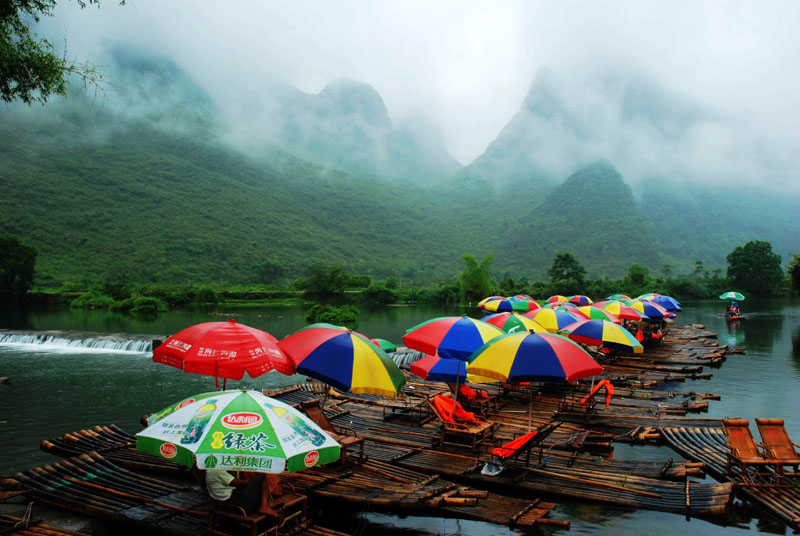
(733, 310)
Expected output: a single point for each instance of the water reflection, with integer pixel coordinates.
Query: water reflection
(796, 346)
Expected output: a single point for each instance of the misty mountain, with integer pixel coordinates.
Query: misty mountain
(592, 215)
(346, 126)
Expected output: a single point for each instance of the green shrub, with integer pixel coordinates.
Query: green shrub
(123, 306)
(379, 295)
(148, 306)
(90, 300)
(346, 314)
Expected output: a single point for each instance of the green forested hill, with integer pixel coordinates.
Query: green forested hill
(158, 206)
(592, 215)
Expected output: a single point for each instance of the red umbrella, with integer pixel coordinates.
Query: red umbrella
(223, 350)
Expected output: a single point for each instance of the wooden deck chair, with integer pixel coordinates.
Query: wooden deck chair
(776, 442)
(346, 437)
(459, 427)
(475, 399)
(743, 452)
(524, 444)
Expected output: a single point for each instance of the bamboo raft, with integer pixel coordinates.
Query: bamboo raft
(620, 483)
(115, 444)
(91, 485)
(17, 526)
(709, 446)
(380, 486)
(372, 484)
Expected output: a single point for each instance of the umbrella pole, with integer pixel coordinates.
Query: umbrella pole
(458, 377)
(530, 407)
(224, 383)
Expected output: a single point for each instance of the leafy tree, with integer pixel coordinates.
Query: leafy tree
(391, 283)
(666, 271)
(568, 273)
(269, 271)
(325, 280)
(476, 279)
(17, 263)
(30, 69)
(637, 275)
(794, 273)
(755, 268)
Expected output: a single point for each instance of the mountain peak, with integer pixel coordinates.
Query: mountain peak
(355, 99)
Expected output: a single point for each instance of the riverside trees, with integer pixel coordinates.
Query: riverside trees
(17, 263)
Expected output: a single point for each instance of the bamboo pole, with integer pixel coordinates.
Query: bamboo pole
(594, 482)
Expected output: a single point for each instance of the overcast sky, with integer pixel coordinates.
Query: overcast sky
(469, 65)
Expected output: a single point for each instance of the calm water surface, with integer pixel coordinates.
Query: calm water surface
(58, 390)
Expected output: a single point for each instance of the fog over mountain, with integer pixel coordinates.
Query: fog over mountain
(685, 91)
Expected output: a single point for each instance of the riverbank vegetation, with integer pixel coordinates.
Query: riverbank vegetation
(331, 293)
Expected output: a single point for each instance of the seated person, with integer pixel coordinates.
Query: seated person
(251, 493)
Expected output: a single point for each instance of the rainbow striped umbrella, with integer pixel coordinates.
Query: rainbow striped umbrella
(562, 304)
(509, 305)
(622, 311)
(490, 298)
(452, 337)
(437, 369)
(603, 332)
(551, 319)
(569, 308)
(533, 357)
(652, 310)
(513, 322)
(343, 358)
(596, 313)
(618, 297)
(648, 296)
(668, 302)
(580, 299)
(557, 298)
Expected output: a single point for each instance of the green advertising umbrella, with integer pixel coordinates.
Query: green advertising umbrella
(731, 296)
(237, 430)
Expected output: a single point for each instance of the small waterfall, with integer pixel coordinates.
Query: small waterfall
(77, 340)
(405, 356)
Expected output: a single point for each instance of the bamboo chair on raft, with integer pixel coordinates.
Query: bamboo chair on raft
(776, 442)
(290, 506)
(459, 427)
(524, 444)
(346, 437)
(743, 452)
(475, 399)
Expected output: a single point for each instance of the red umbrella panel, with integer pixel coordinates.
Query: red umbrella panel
(223, 350)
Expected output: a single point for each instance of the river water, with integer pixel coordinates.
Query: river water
(58, 389)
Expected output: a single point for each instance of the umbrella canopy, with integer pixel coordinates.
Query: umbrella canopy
(618, 297)
(513, 322)
(648, 296)
(557, 298)
(344, 359)
(223, 350)
(551, 319)
(652, 310)
(731, 296)
(603, 332)
(451, 337)
(667, 302)
(490, 298)
(509, 305)
(383, 344)
(238, 430)
(437, 369)
(580, 299)
(533, 357)
(622, 311)
(596, 313)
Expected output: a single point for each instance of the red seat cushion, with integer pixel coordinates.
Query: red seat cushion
(510, 448)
